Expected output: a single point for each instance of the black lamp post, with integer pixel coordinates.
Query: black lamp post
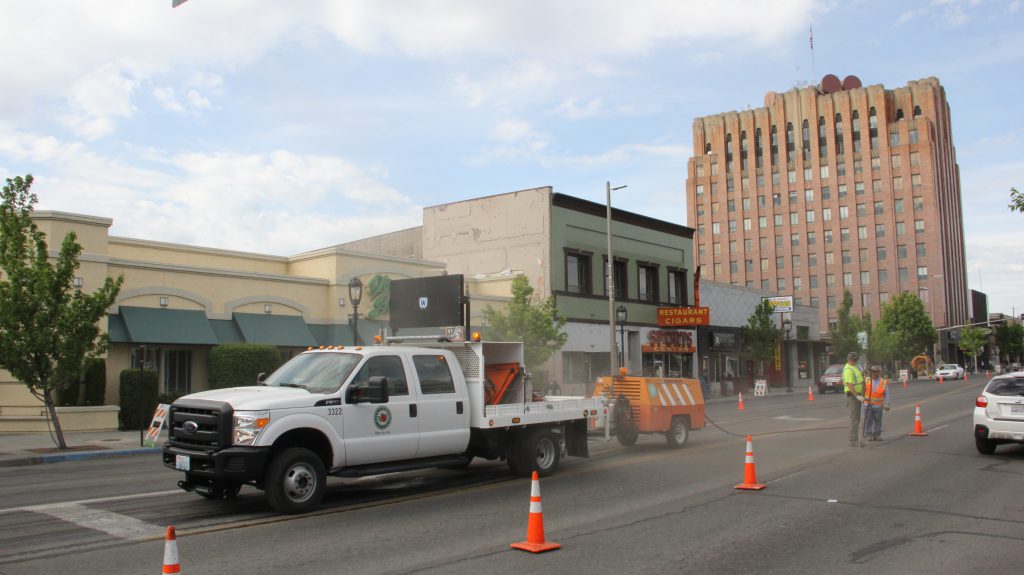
(787, 325)
(141, 403)
(355, 295)
(620, 316)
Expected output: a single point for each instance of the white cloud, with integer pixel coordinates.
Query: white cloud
(569, 108)
(623, 155)
(278, 202)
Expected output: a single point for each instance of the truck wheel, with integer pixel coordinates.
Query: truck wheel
(512, 460)
(295, 481)
(678, 433)
(539, 451)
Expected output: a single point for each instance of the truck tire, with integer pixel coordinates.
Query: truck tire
(538, 451)
(678, 433)
(295, 481)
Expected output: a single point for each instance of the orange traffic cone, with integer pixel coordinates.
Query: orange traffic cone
(986, 374)
(965, 375)
(535, 528)
(918, 432)
(171, 552)
(940, 379)
(739, 405)
(749, 474)
(810, 394)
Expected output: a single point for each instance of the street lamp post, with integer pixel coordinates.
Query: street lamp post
(610, 274)
(787, 324)
(141, 403)
(355, 294)
(620, 315)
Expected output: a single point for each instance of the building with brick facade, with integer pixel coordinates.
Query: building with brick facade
(830, 188)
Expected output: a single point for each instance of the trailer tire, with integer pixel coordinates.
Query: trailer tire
(295, 481)
(678, 432)
(538, 451)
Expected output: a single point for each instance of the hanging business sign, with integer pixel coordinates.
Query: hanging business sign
(780, 304)
(683, 316)
(669, 341)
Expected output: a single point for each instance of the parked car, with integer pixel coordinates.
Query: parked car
(999, 413)
(949, 371)
(832, 379)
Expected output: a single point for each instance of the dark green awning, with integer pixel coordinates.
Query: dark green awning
(279, 330)
(227, 331)
(167, 326)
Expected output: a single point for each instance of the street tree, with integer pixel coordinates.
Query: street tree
(48, 329)
(1010, 339)
(972, 340)
(844, 334)
(761, 335)
(904, 330)
(1016, 201)
(531, 320)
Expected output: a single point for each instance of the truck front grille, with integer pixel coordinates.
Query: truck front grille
(202, 427)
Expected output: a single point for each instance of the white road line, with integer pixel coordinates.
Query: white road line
(108, 522)
(44, 506)
(784, 477)
(938, 428)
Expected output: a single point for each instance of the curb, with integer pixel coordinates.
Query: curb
(78, 456)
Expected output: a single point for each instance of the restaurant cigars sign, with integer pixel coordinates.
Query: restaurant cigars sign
(683, 316)
(666, 341)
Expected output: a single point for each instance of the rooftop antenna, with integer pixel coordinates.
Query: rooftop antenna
(814, 70)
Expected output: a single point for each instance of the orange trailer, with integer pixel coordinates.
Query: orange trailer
(668, 405)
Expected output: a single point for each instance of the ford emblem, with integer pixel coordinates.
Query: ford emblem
(190, 427)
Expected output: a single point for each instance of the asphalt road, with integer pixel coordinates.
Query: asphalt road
(908, 504)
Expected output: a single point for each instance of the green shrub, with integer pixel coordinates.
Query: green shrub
(238, 364)
(138, 398)
(95, 386)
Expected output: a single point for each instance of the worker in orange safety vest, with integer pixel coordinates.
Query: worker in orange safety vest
(876, 399)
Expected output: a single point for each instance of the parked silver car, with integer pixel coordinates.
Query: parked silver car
(999, 412)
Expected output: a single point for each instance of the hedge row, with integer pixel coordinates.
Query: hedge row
(138, 398)
(238, 364)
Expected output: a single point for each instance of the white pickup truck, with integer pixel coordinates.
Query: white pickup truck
(356, 411)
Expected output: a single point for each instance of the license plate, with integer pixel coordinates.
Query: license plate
(1017, 409)
(183, 462)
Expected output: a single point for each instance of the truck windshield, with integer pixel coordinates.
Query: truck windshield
(316, 372)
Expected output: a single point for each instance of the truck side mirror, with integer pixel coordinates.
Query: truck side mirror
(374, 391)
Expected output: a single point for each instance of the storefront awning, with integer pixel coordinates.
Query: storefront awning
(279, 330)
(161, 325)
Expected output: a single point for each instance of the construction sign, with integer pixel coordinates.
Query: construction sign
(153, 433)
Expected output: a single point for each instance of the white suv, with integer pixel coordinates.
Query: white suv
(999, 413)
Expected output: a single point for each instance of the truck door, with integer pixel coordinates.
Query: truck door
(444, 407)
(376, 432)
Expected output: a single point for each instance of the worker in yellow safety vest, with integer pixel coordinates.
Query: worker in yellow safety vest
(876, 399)
(853, 385)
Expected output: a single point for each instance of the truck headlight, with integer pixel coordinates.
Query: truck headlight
(247, 426)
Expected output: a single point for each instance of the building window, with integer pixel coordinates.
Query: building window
(879, 230)
(778, 219)
(901, 228)
(858, 188)
(828, 236)
(829, 258)
(764, 285)
(747, 225)
(915, 158)
(897, 206)
(904, 275)
(826, 214)
(748, 266)
(764, 264)
(894, 136)
(700, 189)
(796, 261)
(734, 267)
(863, 252)
(912, 136)
(880, 207)
(791, 176)
(915, 180)
(812, 238)
(847, 258)
(778, 241)
(896, 161)
(794, 240)
(780, 263)
(830, 280)
(808, 174)
(178, 372)
(831, 302)
(824, 172)
(922, 272)
(918, 203)
(918, 226)
(809, 215)
(865, 300)
(862, 232)
(716, 228)
(647, 282)
(862, 210)
(844, 212)
(865, 278)
(812, 260)
(808, 196)
(901, 252)
(677, 287)
(748, 244)
(897, 183)
(825, 193)
(847, 279)
(746, 204)
(621, 281)
(780, 284)
(880, 253)
(762, 222)
(814, 301)
(732, 246)
(762, 243)
(798, 284)
(794, 218)
(792, 197)
(842, 191)
(822, 140)
(883, 276)
(883, 297)
(813, 282)
(876, 164)
(577, 272)
(922, 251)
(732, 226)
(844, 234)
(761, 202)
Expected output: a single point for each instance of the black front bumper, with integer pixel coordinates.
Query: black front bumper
(235, 464)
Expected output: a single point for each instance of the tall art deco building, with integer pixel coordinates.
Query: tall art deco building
(831, 188)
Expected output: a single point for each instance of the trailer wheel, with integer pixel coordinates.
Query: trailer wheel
(678, 433)
(538, 451)
(295, 481)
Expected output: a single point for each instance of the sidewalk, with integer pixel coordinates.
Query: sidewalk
(33, 448)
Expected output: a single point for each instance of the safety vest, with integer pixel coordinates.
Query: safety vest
(858, 379)
(876, 393)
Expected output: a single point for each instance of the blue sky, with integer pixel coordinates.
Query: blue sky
(282, 127)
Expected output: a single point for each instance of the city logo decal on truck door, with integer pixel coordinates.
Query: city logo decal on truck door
(382, 417)
(423, 303)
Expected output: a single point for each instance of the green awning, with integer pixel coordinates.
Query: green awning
(279, 330)
(116, 330)
(167, 326)
(227, 331)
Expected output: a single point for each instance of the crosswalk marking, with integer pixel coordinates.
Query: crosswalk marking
(108, 522)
